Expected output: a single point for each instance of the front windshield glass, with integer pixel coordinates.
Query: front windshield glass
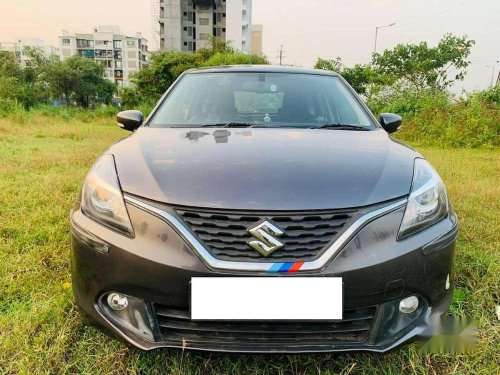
(260, 99)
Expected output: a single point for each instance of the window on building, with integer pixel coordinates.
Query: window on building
(118, 55)
(81, 43)
(203, 36)
(118, 64)
(204, 21)
(130, 43)
(117, 44)
(66, 41)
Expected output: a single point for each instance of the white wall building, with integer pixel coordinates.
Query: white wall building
(239, 24)
(120, 55)
(188, 24)
(19, 49)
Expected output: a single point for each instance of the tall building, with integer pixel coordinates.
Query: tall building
(120, 55)
(19, 49)
(187, 24)
(257, 39)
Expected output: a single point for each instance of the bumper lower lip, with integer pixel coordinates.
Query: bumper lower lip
(403, 329)
(158, 265)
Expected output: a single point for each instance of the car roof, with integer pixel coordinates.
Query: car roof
(261, 69)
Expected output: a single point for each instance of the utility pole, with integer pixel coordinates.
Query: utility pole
(492, 74)
(376, 34)
(281, 55)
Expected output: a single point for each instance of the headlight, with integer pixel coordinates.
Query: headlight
(102, 198)
(428, 202)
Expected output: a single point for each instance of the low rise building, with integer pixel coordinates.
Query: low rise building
(20, 48)
(120, 55)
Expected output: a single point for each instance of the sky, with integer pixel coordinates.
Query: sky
(307, 29)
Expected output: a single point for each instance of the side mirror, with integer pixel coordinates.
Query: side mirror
(390, 122)
(130, 120)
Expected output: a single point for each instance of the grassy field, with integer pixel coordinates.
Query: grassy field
(42, 163)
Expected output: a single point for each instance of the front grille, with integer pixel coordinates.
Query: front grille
(176, 325)
(226, 235)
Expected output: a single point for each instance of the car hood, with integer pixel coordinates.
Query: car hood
(264, 169)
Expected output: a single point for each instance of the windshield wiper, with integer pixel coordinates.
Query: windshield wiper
(229, 125)
(340, 127)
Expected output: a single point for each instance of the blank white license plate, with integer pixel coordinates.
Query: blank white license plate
(266, 298)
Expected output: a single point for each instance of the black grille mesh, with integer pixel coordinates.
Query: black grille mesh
(353, 328)
(226, 235)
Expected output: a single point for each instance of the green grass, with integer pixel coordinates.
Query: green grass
(43, 160)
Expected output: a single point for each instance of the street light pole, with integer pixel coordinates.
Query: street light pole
(376, 34)
(492, 74)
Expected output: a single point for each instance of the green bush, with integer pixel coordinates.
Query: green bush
(407, 102)
(234, 58)
(492, 95)
(431, 119)
(10, 107)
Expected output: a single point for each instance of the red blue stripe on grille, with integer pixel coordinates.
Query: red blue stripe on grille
(285, 267)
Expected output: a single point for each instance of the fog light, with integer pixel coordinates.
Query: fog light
(128, 313)
(408, 305)
(117, 301)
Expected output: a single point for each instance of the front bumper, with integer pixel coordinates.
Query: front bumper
(157, 265)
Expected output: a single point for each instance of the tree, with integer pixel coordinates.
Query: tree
(332, 65)
(80, 80)
(166, 66)
(11, 78)
(421, 66)
(235, 58)
(62, 81)
(362, 78)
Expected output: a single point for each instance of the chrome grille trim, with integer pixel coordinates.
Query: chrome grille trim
(226, 233)
(215, 263)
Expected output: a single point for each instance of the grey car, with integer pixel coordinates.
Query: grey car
(263, 209)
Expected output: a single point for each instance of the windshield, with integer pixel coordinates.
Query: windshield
(260, 99)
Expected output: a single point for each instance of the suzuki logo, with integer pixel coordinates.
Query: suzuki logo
(266, 233)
